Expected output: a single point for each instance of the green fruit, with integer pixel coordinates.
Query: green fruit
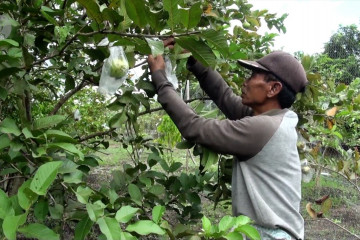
(246, 25)
(118, 68)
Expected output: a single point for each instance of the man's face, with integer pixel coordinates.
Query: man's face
(255, 89)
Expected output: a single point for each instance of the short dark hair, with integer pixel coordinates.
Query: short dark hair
(286, 96)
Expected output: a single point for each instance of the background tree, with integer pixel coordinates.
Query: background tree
(343, 55)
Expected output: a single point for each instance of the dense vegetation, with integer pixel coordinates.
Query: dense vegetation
(51, 58)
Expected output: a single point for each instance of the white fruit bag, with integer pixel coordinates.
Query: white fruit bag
(114, 71)
(170, 73)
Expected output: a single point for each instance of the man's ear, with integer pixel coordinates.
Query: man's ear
(275, 88)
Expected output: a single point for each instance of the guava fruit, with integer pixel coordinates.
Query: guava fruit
(118, 68)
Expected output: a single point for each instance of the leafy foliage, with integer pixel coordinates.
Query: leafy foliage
(51, 56)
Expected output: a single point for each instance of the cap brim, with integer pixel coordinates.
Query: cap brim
(252, 65)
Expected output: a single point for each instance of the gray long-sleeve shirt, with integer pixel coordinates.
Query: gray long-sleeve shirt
(266, 179)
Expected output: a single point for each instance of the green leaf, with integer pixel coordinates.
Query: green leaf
(27, 133)
(195, 15)
(5, 205)
(157, 189)
(199, 50)
(218, 40)
(4, 141)
(83, 194)
(136, 11)
(41, 209)
(175, 166)
(44, 11)
(96, 210)
(157, 213)
(112, 16)
(8, 125)
(3, 93)
(68, 147)
(83, 228)
(191, 17)
(68, 166)
(326, 206)
(8, 42)
(155, 20)
(209, 158)
(242, 220)
(226, 223)
(147, 86)
(92, 9)
(145, 227)
(59, 136)
(156, 46)
(206, 225)
(6, 72)
(57, 211)
(44, 177)
(127, 236)
(135, 194)
(185, 145)
(48, 121)
(26, 197)
(171, 6)
(39, 231)
(11, 224)
(74, 177)
(234, 236)
(249, 231)
(110, 227)
(340, 87)
(125, 214)
(118, 120)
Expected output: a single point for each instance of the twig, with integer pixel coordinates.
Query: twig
(67, 96)
(341, 227)
(4, 180)
(16, 168)
(98, 134)
(329, 169)
(160, 108)
(61, 50)
(134, 35)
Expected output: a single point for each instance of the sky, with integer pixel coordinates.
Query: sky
(310, 23)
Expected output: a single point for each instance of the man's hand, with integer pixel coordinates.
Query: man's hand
(156, 63)
(169, 42)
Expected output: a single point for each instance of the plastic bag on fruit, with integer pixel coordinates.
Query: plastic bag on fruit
(170, 73)
(114, 71)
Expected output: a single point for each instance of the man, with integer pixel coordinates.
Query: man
(259, 132)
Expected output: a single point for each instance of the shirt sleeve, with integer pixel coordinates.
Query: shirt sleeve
(218, 90)
(243, 138)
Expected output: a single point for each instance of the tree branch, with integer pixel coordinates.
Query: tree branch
(344, 176)
(341, 227)
(98, 134)
(8, 178)
(67, 96)
(61, 50)
(160, 108)
(134, 35)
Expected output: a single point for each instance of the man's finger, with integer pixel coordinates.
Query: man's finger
(169, 41)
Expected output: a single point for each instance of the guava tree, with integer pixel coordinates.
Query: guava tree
(51, 58)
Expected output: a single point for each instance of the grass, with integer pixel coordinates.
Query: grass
(340, 191)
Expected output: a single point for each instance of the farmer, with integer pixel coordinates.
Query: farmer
(259, 132)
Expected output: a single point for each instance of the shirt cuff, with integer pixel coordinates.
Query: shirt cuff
(158, 78)
(194, 66)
